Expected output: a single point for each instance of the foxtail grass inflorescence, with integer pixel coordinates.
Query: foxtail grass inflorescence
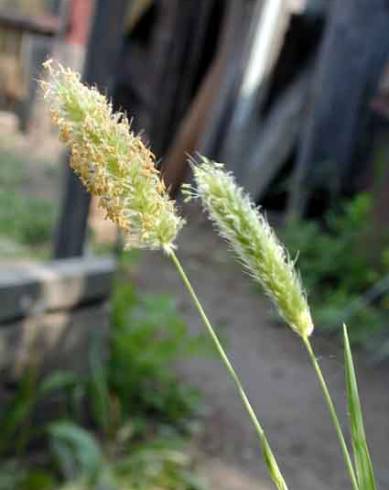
(253, 241)
(263, 256)
(114, 165)
(111, 161)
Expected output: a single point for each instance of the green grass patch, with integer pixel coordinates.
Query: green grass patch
(125, 424)
(26, 221)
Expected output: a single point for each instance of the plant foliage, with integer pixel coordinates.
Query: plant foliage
(337, 270)
(362, 460)
(121, 426)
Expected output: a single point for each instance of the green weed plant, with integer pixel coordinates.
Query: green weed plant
(338, 272)
(124, 424)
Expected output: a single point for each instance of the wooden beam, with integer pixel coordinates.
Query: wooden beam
(352, 56)
(45, 25)
(31, 288)
(277, 137)
(105, 41)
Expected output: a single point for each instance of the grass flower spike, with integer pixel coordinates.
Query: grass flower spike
(254, 242)
(262, 254)
(111, 161)
(114, 165)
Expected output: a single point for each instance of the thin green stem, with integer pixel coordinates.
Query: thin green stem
(332, 410)
(267, 452)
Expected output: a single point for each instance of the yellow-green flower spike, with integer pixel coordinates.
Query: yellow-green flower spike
(255, 243)
(111, 161)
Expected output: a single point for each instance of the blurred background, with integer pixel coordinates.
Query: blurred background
(107, 382)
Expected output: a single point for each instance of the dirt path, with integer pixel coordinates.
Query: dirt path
(276, 373)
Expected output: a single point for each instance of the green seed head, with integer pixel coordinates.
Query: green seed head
(111, 161)
(254, 242)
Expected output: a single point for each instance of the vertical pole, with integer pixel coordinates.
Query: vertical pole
(270, 20)
(103, 49)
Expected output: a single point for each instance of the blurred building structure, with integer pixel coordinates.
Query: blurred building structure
(281, 90)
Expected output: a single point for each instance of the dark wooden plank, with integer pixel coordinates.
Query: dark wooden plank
(196, 50)
(196, 120)
(179, 51)
(277, 137)
(102, 54)
(229, 52)
(165, 54)
(354, 49)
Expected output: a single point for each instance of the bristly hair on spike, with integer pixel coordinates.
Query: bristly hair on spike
(111, 161)
(253, 240)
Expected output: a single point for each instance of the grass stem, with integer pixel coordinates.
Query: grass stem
(332, 410)
(267, 452)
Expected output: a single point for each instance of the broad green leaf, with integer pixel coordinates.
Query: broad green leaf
(76, 450)
(363, 464)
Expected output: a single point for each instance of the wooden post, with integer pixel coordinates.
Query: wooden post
(277, 136)
(104, 45)
(269, 24)
(178, 42)
(232, 40)
(351, 59)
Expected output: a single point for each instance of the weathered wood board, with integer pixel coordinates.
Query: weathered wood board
(49, 313)
(354, 50)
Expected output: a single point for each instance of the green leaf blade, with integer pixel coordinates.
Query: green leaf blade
(362, 460)
(272, 465)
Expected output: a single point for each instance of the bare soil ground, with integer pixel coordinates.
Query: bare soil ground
(275, 371)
